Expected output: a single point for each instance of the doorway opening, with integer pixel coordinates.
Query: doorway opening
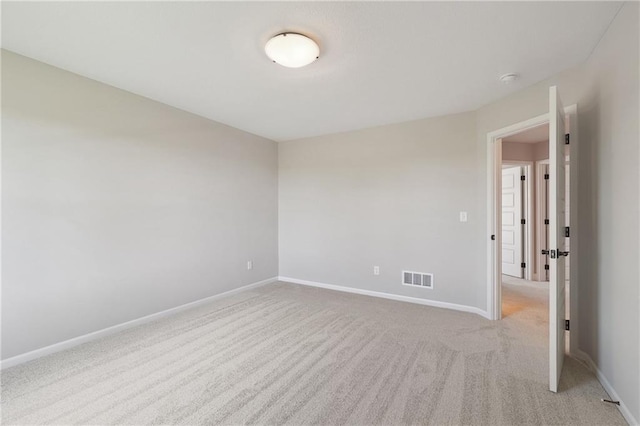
(562, 125)
(524, 215)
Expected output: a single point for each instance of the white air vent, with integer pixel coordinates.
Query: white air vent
(417, 279)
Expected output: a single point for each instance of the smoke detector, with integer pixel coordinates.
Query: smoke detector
(509, 77)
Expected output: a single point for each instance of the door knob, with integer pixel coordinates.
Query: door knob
(557, 253)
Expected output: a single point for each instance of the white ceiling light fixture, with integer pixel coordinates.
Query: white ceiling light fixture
(509, 78)
(292, 50)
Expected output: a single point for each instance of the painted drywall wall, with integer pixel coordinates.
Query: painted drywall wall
(609, 122)
(541, 151)
(517, 151)
(115, 207)
(388, 196)
(605, 89)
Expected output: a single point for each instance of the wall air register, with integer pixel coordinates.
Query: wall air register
(417, 279)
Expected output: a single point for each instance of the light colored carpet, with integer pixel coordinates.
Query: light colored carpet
(290, 354)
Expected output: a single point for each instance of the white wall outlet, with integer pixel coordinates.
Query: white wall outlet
(463, 216)
(376, 270)
(249, 264)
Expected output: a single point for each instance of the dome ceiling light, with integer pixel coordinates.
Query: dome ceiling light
(292, 50)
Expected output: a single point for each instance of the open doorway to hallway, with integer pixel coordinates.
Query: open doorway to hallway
(525, 230)
(525, 215)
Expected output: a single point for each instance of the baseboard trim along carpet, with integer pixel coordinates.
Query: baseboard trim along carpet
(57, 347)
(426, 302)
(608, 388)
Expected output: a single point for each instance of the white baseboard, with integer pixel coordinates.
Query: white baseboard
(57, 347)
(607, 387)
(427, 302)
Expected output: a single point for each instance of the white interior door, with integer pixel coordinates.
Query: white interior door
(511, 221)
(556, 238)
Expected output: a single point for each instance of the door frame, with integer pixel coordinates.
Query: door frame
(494, 222)
(527, 214)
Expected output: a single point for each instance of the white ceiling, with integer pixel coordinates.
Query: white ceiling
(380, 62)
(533, 135)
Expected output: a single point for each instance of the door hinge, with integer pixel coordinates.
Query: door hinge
(521, 177)
(523, 265)
(523, 221)
(566, 139)
(546, 176)
(546, 221)
(566, 231)
(546, 267)
(567, 325)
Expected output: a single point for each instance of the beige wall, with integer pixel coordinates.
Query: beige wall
(388, 196)
(517, 151)
(541, 151)
(115, 207)
(611, 191)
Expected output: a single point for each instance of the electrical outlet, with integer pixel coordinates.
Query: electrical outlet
(463, 216)
(249, 265)
(376, 270)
